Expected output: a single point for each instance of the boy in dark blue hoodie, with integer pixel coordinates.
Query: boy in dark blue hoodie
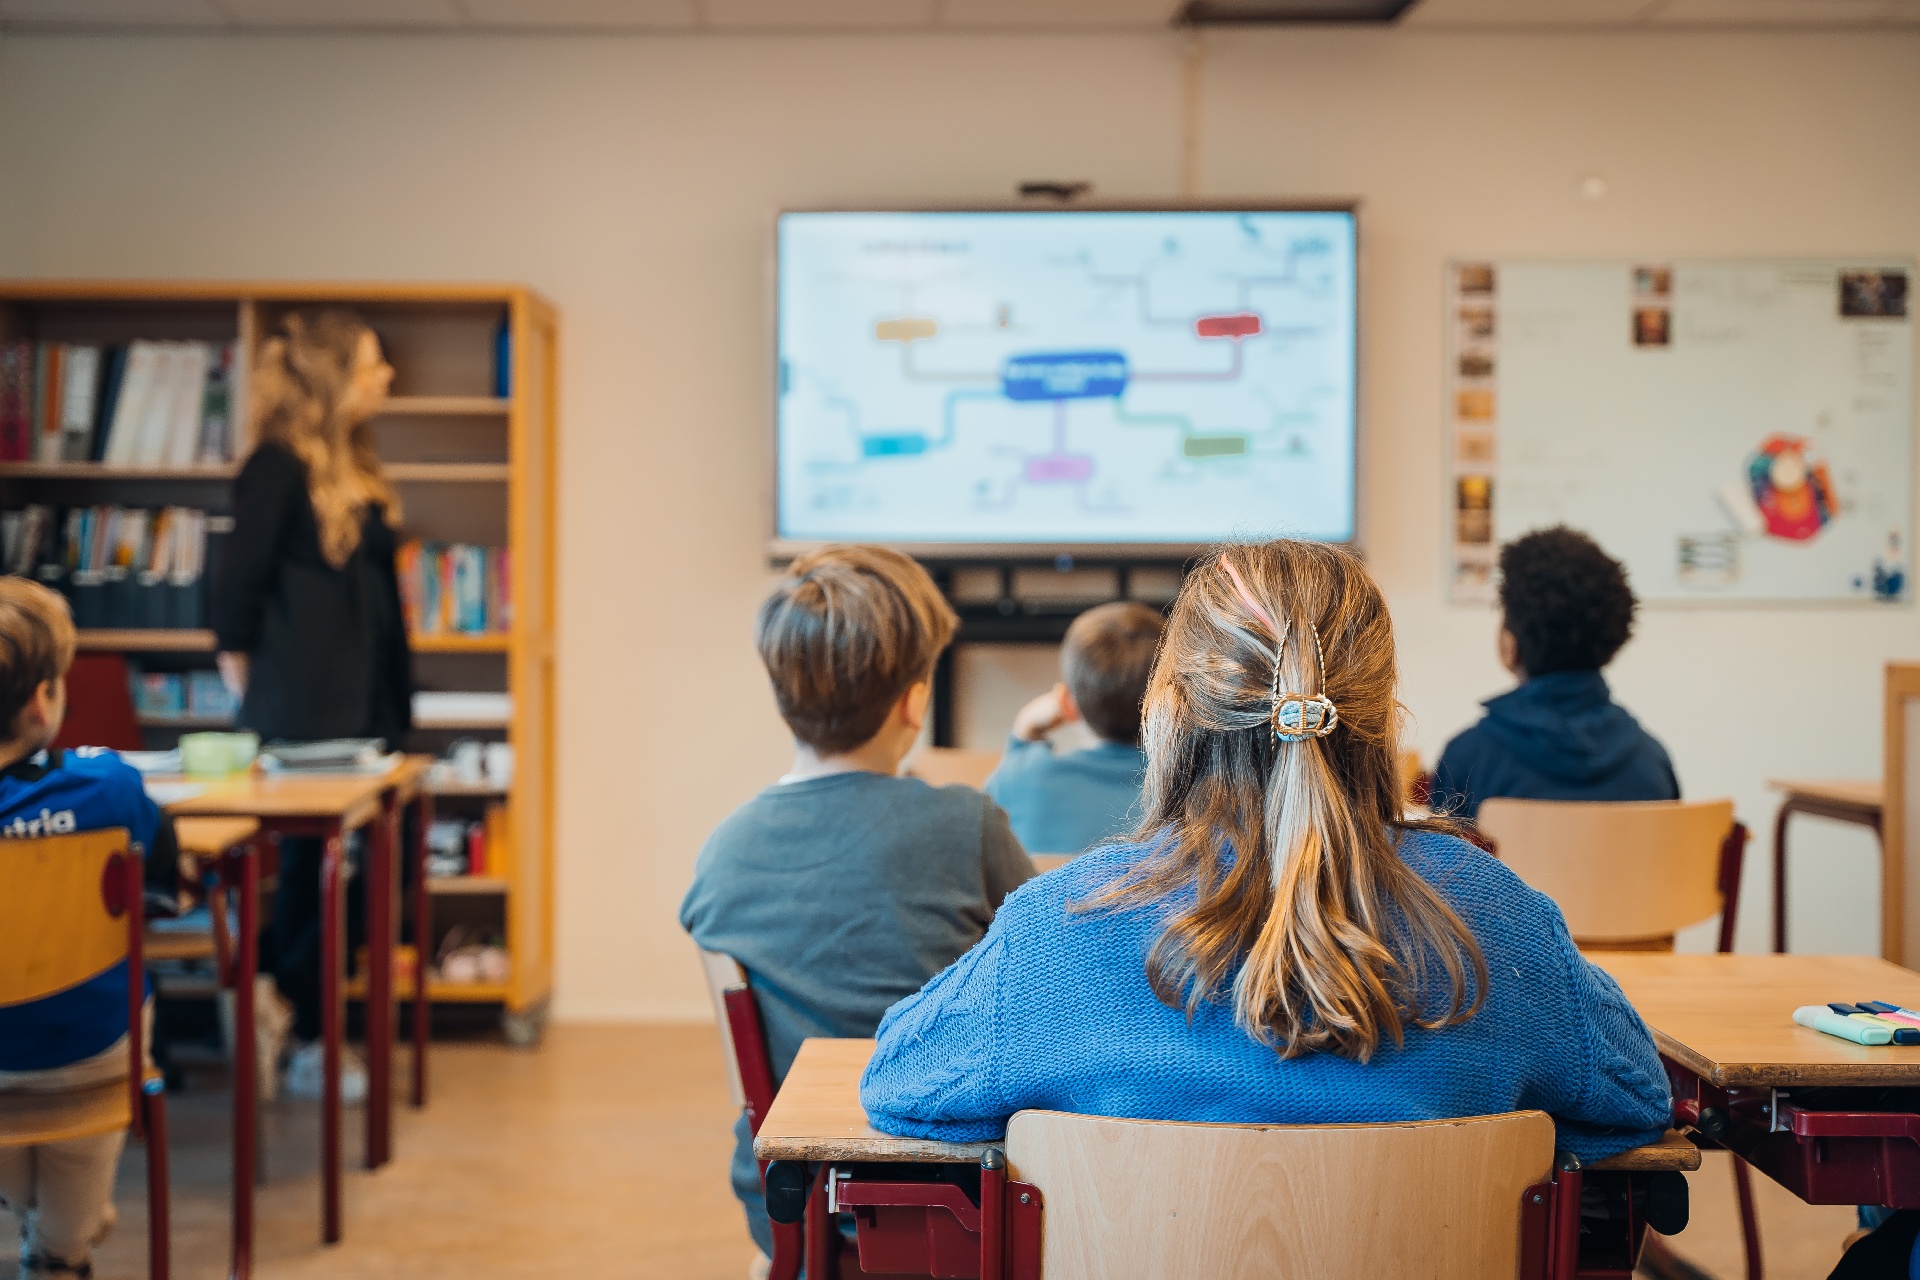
(1566, 610)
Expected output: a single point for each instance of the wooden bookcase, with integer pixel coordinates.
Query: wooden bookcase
(470, 466)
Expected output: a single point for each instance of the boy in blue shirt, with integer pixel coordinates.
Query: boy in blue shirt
(1567, 610)
(1064, 802)
(842, 888)
(75, 1038)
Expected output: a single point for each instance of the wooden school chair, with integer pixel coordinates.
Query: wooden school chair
(1124, 1198)
(70, 909)
(743, 1043)
(1628, 876)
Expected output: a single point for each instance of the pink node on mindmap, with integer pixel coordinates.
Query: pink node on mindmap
(1059, 468)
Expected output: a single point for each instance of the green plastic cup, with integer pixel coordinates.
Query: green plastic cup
(217, 755)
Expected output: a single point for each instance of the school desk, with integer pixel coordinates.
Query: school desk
(327, 805)
(1807, 1109)
(1860, 802)
(915, 1215)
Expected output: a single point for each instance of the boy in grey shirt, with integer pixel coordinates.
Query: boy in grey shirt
(842, 888)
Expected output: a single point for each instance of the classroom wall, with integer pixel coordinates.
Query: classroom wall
(631, 180)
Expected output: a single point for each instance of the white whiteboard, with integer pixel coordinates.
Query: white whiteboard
(1730, 430)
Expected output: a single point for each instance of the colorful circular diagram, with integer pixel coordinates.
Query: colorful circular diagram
(1792, 488)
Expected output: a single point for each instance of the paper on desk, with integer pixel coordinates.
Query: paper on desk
(153, 761)
(166, 793)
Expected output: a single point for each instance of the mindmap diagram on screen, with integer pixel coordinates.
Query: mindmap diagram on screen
(1066, 377)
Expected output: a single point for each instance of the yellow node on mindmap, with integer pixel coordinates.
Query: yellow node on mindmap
(905, 329)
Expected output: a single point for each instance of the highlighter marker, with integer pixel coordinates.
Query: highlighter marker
(1859, 1030)
(1903, 1033)
(1891, 1012)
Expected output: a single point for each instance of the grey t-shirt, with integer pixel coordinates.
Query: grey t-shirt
(842, 895)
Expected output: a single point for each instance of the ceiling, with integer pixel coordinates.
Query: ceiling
(895, 15)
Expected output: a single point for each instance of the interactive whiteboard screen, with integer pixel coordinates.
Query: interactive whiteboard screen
(985, 382)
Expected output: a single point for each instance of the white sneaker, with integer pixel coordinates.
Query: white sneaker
(305, 1073)
(761, 1266)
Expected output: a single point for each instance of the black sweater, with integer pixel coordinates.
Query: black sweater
(328, 647)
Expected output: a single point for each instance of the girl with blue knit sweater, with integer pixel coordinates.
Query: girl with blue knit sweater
(1278, 943)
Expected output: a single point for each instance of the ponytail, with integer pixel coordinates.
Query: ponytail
(1273, 802)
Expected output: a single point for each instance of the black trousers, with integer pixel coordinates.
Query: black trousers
(290, 951)
(294, 941)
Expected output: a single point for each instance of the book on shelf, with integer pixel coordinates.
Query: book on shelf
(200, 696)
(117, 566)
(456, 588)
(468, 847)
(145, 404)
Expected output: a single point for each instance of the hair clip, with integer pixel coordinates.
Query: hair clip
(1295, 716)
(1299, 716)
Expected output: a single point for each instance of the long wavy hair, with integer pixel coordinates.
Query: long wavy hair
(298, 383)
(1303, 915)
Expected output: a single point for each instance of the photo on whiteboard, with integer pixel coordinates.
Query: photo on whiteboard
(1476, 323)
(1709, 560)
(1792, 488)
(1476, 277)
(1476, 364)
(1473, 575)
(1873, 294)
(1653, 282)
(1473, 450)
(1652, 327)
(1474, 404)
(1473, 510)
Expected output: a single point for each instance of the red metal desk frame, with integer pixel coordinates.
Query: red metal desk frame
(240, 871)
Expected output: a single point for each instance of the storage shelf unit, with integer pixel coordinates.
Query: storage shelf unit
(472, 466)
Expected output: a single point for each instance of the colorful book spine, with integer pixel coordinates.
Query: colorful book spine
(455, 588)
(16, 401)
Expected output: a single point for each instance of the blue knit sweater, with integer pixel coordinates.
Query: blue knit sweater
(1052, 1010)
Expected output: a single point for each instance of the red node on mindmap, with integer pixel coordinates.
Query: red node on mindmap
(1244, 324)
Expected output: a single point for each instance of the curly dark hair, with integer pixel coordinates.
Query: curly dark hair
(1566, 601)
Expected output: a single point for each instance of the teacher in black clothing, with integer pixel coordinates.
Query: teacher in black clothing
(306, 606)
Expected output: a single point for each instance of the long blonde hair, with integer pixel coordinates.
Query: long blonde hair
(1313, 925)
(298, 383)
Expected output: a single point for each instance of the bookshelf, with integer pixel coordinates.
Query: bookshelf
(472, 467)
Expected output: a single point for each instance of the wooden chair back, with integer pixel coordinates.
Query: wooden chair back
(743, 1039)
(945, 766)
(1627, 875)
(1144, 1198)
(724, 974)
(63, 910)
(71, 909)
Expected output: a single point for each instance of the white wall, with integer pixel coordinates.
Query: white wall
(631, 180)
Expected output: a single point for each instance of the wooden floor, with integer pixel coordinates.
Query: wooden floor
(602, 1154)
